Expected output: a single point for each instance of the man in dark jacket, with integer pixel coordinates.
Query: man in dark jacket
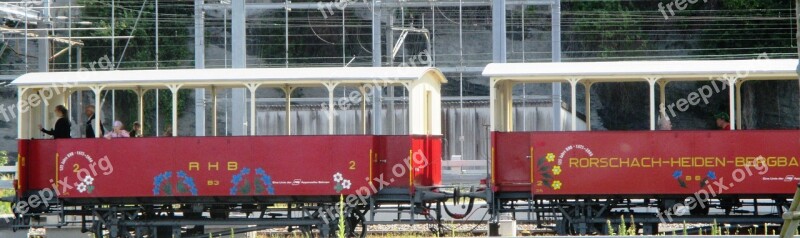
(90, 123)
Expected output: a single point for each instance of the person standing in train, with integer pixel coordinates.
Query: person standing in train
(90, 124)
(137, 130)
(118, 132)
(62, 127)
(723, 122)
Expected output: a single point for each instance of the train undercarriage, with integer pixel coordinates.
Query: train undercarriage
(603, 216)
(175, 217)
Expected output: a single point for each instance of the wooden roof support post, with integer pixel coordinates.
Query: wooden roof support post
(252, 87)
(500, 105)
(330, 86)
(573, 82)
(363, 90)
(651, 81)
(173, 88)
(213, 110)
(98, 113)
(731, 80)
(23, 116)
(140, 95)
(739, 104)
(662, 86)
(494, 122)
(587, 86)
(288, 91)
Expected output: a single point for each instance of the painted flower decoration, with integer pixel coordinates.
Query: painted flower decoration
(677, 174)
(158, 180)
(188, 181)
(550, 157)
(266, 180)
(81, 187)
(338, 177)
(556, 170)
(346, 184)
(556, 185)
(88, 180)
(711, 175)
(238, 178)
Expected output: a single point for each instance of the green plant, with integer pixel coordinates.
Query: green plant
(3, 157)
(340, 232)
(5, 208)
(610, 228)
(685, 232)
(632, 229)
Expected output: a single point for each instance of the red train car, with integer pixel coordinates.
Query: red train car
(178, 185)
(582, 180)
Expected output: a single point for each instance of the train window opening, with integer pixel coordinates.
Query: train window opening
(299, 100)
(271, 110)
(395, 111)
(534, 112)
(620, 109)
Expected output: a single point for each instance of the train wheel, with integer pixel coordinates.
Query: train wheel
(97, 229)
(355, 219)
(700, 209)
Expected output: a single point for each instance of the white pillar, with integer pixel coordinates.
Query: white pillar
(252, 87)
(23, 120)
(587, 85)
(363, 90)
(213, 110)
(573, 102)
(662, 86)
(330, 86)
(738, 104)
(98, 113)
(174, 89)
(732, 100)
(288, 90)
(651, 81)
(140, 95)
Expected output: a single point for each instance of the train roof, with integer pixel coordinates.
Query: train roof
(233, 77)
(626, 71)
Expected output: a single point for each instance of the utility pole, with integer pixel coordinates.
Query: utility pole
(238, 60)
(44, 42)
(199, 63)
(555, 21)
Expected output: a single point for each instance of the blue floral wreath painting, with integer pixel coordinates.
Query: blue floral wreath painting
(262, 184)
(184, 186)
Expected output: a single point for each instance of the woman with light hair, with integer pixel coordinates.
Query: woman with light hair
(118, 132)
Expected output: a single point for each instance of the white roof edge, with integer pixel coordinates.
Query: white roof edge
(231, 76)
(766, 68)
